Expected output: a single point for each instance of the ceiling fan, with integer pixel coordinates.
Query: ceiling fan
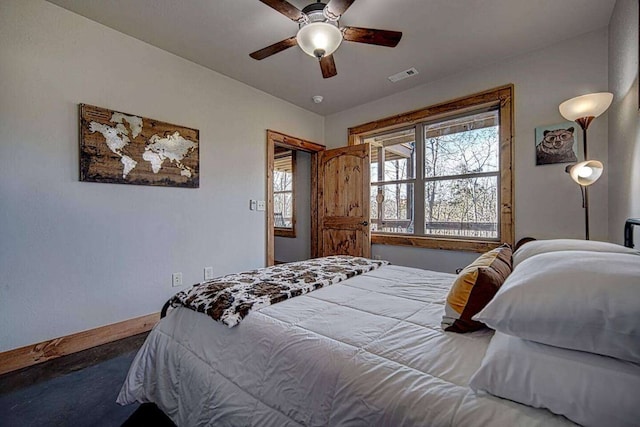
(319, 33)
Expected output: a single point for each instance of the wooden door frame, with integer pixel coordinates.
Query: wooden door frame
(298, 144)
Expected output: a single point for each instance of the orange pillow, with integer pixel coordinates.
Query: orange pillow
(474, 287)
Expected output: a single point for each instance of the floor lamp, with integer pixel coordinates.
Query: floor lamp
(583, 109)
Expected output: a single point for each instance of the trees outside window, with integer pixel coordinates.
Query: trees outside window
(284, 192)
(393, 166)
(461, 170)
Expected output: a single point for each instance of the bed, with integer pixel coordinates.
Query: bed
(366, 351)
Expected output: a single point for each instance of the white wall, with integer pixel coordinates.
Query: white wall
(290, 249)
(77, 255)
(624, 119)
(547, 202)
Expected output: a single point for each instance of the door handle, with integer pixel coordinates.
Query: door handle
(365, 223)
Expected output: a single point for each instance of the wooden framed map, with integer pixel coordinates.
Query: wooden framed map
(122, 148)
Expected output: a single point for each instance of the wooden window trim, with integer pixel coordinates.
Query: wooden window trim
(502, 97)
(285, 232)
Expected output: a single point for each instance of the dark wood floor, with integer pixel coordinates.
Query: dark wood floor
(76, 390)
(73, 362)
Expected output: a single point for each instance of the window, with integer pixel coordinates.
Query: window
(461, 176)
(284, 192)
(393, 165)
(440, 177)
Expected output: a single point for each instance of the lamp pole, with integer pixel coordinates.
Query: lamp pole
(586, 212)
(584, 123)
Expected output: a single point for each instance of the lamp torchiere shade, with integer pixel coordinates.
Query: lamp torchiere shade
(586, 173)
(319, 39)
(583, 109)
(591, 105)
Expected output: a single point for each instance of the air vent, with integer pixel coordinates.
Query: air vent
(403, 75)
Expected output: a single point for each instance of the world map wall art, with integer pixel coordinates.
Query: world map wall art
(122, 148)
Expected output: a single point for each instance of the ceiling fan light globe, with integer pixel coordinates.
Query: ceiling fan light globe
(586, 173)
(319, 36)
(591, 105)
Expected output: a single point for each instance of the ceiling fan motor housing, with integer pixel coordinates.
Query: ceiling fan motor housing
(313, 10)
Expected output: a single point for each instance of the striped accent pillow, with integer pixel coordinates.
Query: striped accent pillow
(474, 287)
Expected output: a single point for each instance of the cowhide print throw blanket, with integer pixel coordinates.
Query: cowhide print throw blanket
(230, 298)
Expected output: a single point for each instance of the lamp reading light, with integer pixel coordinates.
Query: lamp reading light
(585, 172)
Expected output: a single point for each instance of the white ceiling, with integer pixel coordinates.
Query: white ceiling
(440, 37)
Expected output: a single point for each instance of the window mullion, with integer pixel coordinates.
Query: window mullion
(380, 192)
(400, 181)
(381, 164)
(418, 187)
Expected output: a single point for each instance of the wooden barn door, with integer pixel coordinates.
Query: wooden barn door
(343, 201)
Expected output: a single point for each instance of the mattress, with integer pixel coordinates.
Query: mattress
(366, 351)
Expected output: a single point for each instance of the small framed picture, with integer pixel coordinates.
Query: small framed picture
(557, 144)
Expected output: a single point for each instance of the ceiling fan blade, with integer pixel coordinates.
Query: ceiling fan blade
(371, 36)
(285, 8)
(274, 48)
(336, 8)
(328, 66)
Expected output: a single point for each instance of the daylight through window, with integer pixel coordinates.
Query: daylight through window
(458, 189)
(283, 188)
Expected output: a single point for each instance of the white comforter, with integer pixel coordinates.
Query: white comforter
(368, 351)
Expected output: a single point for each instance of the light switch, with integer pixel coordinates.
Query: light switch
(252, 205)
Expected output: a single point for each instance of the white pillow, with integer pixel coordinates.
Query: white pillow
(536, 247)
(588, 389)
(587, 301)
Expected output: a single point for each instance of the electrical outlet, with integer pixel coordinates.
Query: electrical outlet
(176, 279)
(261, 205)
(208, 273)
(252, 205)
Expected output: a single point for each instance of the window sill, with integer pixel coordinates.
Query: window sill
(284, 232)
(479, 246)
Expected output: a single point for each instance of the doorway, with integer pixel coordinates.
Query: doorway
(288, 152)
